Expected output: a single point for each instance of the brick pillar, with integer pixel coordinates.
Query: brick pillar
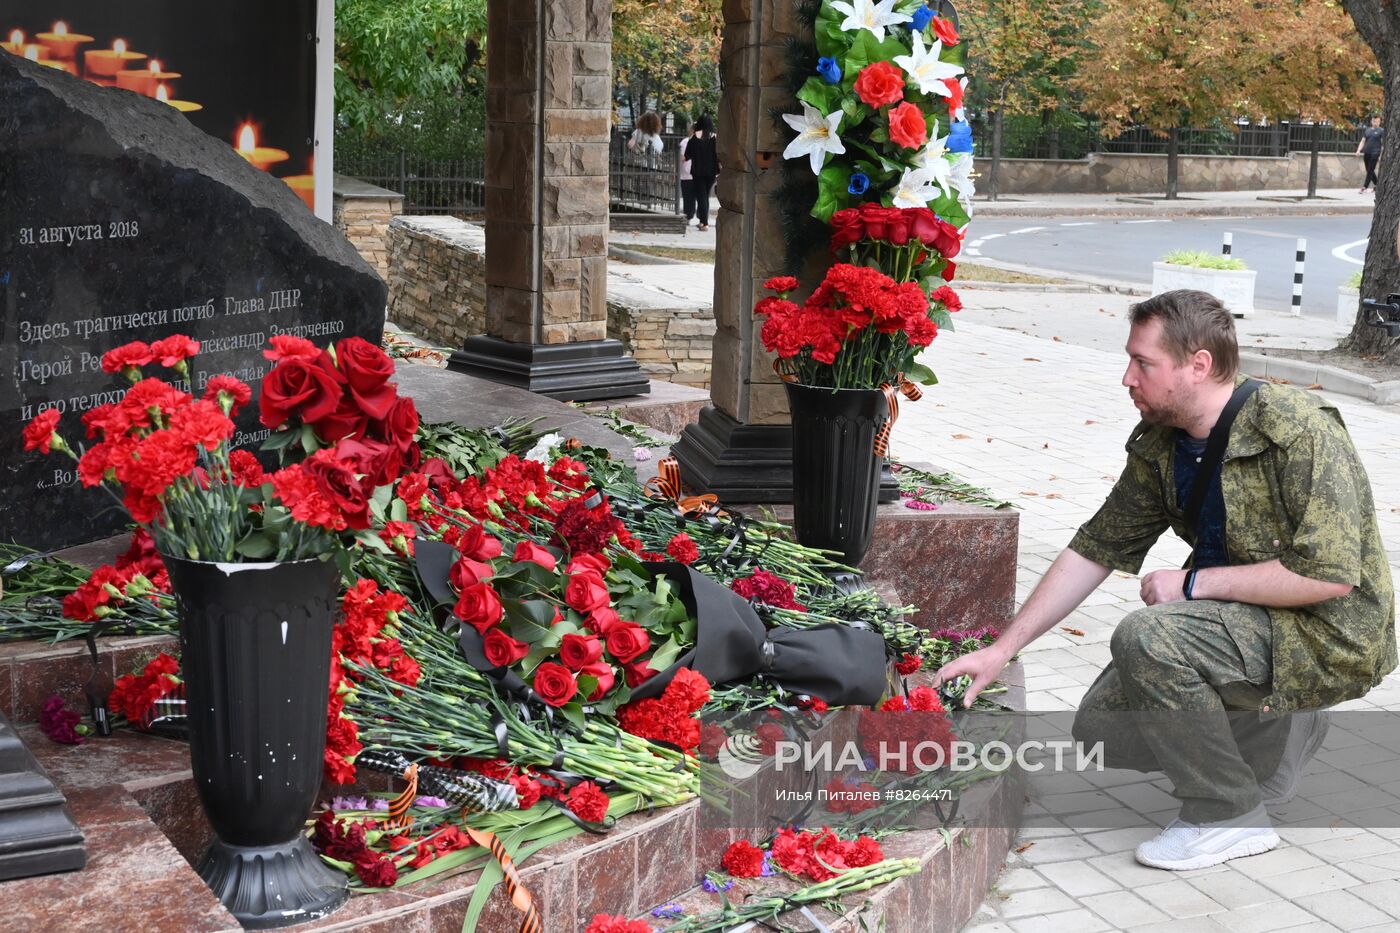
(741, 448)
(548, 110)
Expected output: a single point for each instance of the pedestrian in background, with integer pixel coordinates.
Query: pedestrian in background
(1372, 137)
(687, 190)
(646, 139)
(704, 165)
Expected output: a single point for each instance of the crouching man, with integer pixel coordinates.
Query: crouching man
(1285, 607)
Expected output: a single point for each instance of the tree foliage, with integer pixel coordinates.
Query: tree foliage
(393, 57)
(666, 55)
(1020, 51)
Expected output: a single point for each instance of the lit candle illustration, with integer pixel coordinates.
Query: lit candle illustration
(184, 106)
(263, 157)
(61, 43)
(105, 63)
(32, 53)
(304, 185)
(145, 80)
(16, 43)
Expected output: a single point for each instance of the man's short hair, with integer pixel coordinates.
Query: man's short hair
(1191, 321)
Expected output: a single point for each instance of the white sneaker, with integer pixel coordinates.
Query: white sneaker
(1183, 846)
(1305, 734)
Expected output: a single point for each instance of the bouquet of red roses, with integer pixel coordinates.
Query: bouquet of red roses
(166, 455)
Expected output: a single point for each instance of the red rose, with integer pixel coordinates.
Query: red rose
(346, 421)
(479, 606)
(478, 545)
(743, 859)
(955, 95)
(944, 29)
(400, 426)
(587, 592)
(502, 650)
(336, 482)
(877, 220)
(583, 563)
(602, 621)
(606, 677)
(898, 232)
(880, 83)
(173, 350)
(135, 354)
(579, 651)
(846, 228)
(638, 673)
(628, 640)
(467, 572)
(527, 552)
(378, 463)
(555, 685)
(38, 434)
(949, 270)
(907, 126)
(367, 370)
(297, 386)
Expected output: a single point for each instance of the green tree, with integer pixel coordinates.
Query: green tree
(1018, 55)
(397, 56)
(666, 55)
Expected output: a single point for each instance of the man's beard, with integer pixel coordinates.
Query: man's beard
(1170, 413)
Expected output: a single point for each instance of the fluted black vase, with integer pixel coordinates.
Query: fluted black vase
(256, 643)
(835, 470)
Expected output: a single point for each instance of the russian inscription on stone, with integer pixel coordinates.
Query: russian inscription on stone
(120, 221)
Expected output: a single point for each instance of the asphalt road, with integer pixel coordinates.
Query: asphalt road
(1125, 248)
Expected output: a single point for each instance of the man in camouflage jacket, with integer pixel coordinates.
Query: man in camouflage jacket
(1287, 604)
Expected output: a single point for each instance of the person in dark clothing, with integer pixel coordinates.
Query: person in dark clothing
(1372, 138)
(704, 165)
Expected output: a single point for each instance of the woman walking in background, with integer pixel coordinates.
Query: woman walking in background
(646, 139)
(1372, 137)
(687, 189)
(704, 165)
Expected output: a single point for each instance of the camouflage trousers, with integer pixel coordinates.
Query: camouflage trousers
(1182, 695)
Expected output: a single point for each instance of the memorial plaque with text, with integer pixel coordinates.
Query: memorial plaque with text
(120, 221)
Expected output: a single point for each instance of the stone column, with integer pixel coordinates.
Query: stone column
(548, 119)
(741, 447)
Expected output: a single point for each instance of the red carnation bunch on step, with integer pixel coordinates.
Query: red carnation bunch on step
(134, 695)
(769, 589)
(670, 717)
(823, 855)
(908, 735)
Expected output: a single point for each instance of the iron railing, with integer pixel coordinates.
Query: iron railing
(1022, 141)
(645, 180)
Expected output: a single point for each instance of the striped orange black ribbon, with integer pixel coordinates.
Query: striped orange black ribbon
(900, 386)
(667, 485)
(398, 807)
(519, 895)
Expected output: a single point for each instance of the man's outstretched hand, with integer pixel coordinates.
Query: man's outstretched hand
(982, 665)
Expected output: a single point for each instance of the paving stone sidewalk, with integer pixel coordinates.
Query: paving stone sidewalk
(1042, 422)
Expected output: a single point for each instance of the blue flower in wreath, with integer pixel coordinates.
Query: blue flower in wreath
(859, 183)
(921, 18)
(829, 70)
(960, 137)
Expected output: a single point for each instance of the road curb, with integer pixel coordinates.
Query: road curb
(646, 259)
(982, 209)
(1330, 378)
(1081, 282)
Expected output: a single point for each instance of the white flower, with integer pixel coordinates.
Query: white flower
(866, 14)
(932, 162)
(960, 177)
(540, 452)
(915, 189)
(925, 68)
(816, 135)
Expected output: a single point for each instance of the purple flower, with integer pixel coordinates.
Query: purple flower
(669, 912)
(379, 803)
(58, 723)
(767, 871)
(426, 801)
(349, 803)
(709, 884)
(641, 454)
(920, 506)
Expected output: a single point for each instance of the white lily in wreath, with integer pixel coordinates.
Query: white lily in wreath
(960, 176)
(931, 160)
(816, 135)
(867, 14)
(916, 188)
(924, 66)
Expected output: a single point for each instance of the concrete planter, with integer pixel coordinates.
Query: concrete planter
(1235, 288)
(1348, 303)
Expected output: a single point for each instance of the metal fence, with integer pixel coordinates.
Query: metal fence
(429, 186)
(645, 180)
(1076, 142)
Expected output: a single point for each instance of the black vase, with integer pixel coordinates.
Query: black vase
(256, 643)
(835, 470)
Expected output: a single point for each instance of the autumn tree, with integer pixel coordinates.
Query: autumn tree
(667, 53)
(1018, 51)
(1378, 22)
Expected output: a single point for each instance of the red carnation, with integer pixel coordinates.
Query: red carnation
(880, 83)
(39, 433)
(131, 355)
(682, 548)
(688, 690)
(909, 664)
(588, 802)
(781, 283)
(286, 347)
(171, 351)
(948, 297)
(907, 126)
(230, 393)
(607, 923)
(743, 859)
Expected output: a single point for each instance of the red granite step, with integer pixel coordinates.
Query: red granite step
(31, 671)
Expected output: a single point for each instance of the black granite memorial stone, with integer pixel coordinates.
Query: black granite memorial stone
(121, 221)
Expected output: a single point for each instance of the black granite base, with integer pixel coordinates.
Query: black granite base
(37, 834)
(576, 372)
(745, 462)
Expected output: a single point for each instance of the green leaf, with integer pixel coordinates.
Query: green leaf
(255, 547)
(309, 441)
(825, 97)
(921, 374)
(573, 712)
(279, 439)
(665, 656)
(398, 511)
(832, 193)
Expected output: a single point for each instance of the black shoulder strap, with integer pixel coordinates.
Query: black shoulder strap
(1215, 450)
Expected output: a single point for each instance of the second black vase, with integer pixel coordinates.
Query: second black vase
(835, 470)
